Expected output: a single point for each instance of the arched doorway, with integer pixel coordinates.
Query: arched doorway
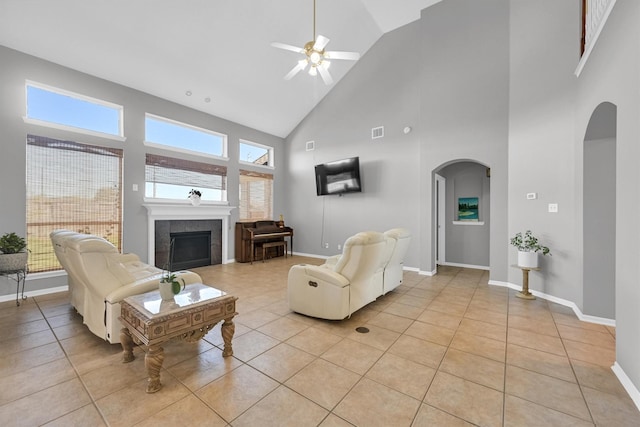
(466, 239)
(599, 213)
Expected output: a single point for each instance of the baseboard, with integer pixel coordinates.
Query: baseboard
(455, 264)
(631, 389)
(12, 297)
(566, 303)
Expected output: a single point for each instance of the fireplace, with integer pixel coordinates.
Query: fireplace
(191, 249)
(196, 243)
(164, 219)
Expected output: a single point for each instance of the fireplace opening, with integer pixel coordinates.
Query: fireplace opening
(191, 249)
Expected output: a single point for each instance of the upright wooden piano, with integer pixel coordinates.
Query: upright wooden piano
(251, 234)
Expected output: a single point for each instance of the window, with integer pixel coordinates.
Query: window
(63, 109)
(171, 178)
(182, 137)
(73, 186)
(255, 154)
(256, 195)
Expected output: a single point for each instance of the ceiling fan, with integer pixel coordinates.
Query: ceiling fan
(315, 56)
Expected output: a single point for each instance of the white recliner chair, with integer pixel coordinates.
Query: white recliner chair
(393, 271)
(100, 277)
(336, 291)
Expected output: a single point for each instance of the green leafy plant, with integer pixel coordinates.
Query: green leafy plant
(527, 242)
(11, 243)
(169, 277)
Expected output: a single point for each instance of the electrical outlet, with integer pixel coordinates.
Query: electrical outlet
(326, 245)
(553, 207)
(339, 247)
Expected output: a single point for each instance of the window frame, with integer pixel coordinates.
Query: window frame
(225, 138)
(61, 126)
(270, 149)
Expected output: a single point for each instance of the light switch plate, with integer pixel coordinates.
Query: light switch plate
(553, 207)
(135, 187)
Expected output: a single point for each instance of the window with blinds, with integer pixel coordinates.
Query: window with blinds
(171, 178)
(72, 186)
(256, 195)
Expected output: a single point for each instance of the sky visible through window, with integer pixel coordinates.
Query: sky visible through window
(59, 108)
(66, 110)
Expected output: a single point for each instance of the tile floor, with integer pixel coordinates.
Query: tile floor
(447, 350)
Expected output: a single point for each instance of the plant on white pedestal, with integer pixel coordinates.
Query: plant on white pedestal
(528, 248)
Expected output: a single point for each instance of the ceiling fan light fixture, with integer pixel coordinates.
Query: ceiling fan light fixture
(315, 55)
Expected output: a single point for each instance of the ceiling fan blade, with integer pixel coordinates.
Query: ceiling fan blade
(326, 76)
(321, 43)
(287, 47)
(351, 56)
(301, 65)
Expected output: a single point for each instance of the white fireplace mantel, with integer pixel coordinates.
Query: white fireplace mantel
(183, 211)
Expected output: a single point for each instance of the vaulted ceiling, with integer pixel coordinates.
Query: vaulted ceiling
(217, 50)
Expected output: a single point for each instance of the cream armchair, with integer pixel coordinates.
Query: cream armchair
(336, 291)
(393, 271)
(100, 277)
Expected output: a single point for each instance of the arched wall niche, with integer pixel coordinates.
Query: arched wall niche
(599, 212)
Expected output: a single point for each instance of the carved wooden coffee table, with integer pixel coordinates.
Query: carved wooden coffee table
(149, 320)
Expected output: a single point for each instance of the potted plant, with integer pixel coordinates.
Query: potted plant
(528, 248)
(170, 286)
(14, 252)
(194, 196)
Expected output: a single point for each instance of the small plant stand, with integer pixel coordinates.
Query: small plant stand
(19, 276)
(524, 293)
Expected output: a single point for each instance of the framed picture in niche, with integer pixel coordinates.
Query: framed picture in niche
(468, 208)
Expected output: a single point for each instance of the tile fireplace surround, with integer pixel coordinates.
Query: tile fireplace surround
(165, 211)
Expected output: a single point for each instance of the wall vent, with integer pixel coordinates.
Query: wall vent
(311, 145)
(377, 132)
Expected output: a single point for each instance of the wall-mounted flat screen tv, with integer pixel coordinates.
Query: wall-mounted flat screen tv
(338, 177)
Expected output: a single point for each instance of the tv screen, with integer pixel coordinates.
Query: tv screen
(338, 177)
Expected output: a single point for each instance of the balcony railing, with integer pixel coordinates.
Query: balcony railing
(594, 16)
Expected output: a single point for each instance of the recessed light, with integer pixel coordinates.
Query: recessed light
(207, 99)
(188, 93)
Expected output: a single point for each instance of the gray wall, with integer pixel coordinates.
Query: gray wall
(379, 91)
(467, 244)
(544, 52)
(464, 109)
(17, 67)
(599, 227)
(612, 74)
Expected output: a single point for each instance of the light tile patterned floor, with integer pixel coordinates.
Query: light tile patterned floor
(447, 350)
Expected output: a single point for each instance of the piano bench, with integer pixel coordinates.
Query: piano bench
(267, 245)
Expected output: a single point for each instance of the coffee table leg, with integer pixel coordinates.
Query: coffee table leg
(153, 362)
(127, 346)
(228, 329)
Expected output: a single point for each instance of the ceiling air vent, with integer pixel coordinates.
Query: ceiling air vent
(311, 145)
(377, 132)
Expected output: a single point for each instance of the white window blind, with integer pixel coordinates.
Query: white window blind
(72, 186)
(256, 195)
(171, 178)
